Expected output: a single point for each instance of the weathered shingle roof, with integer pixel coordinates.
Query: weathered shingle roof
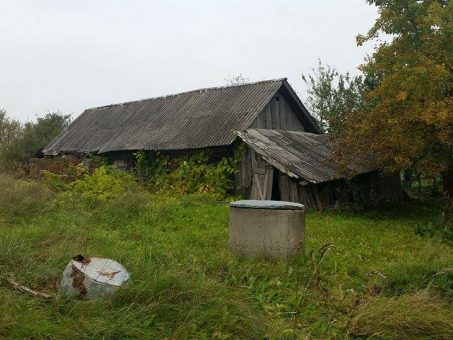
(301, 155)
(189, 120)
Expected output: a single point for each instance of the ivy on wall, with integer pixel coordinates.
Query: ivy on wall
(197, 174)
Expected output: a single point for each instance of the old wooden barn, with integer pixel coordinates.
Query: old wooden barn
(286, 156)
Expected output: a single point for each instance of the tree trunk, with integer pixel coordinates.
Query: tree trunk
(447, 179)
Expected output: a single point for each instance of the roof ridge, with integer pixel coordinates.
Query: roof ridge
(290, 131)
(190, 91)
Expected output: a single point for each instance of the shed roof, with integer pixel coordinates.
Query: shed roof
(301, 155)
(189, 120)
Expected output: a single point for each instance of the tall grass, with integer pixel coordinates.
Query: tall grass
(415, 315)
(21, 198)
(187, 284)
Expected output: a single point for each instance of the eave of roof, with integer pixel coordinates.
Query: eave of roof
(302, 155)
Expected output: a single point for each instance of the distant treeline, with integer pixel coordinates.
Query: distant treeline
(21, 141)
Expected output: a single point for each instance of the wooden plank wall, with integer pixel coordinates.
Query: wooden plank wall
(263, 176)
(121, 159)
(372, 188)
(278, 114)
(244, 175)
(366, 190)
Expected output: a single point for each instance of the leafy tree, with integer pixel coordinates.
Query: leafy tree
(19, 142)
(9, 130)
(407, 121)
(36, 135)
(331, 95)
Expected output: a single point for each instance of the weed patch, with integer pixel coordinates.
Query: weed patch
(22, 200)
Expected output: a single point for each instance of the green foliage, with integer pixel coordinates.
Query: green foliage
(332, 95)
(68, 167)
(105, 183)
(54, 181)
(66, 171)
(36, 135)
(195, 175)
(407, 119)
(10, 132)
(151, 165)
(20, 142)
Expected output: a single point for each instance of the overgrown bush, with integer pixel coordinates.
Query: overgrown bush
(150, 165)
(68, 167)
(60, 172)
(10, 130)
(103, 184)
(195, 175)
(54, 181)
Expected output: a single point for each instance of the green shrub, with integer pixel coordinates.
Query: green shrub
(61, 180)
(54, 181)
(150, 165)
(56, 165)
(195, 175)
(103, 184)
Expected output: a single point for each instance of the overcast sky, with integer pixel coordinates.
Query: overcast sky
(72, 55)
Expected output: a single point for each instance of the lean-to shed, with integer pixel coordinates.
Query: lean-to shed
(300, 167)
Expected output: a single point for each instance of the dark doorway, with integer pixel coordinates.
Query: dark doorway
(276, 187)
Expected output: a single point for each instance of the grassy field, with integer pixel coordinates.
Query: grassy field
(377, 276)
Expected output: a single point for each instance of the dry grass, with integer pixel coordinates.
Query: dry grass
(417, 315)
(22, 198)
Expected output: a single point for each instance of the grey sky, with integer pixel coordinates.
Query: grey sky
(71, 55)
